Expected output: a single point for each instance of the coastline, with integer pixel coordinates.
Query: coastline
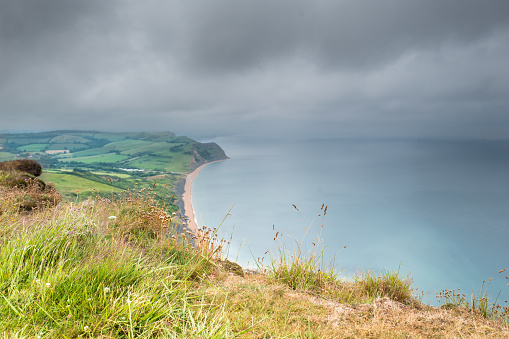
(188, 212)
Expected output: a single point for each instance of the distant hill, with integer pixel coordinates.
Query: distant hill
(82, 163)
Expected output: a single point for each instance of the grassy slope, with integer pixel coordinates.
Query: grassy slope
(71, 183)
(34, 148)
(73, 271)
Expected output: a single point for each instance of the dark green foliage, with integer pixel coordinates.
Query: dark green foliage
(98, 142)
(47, 161)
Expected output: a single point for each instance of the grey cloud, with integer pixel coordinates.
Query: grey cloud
(347, 67)
(233, 35)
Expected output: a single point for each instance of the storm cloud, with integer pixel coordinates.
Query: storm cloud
(396, 68)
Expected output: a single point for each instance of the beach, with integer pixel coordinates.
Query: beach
(192, 224)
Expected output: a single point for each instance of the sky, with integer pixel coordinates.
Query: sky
(295, 68)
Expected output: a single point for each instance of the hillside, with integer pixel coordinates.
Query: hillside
(120, 268)
(85, 163)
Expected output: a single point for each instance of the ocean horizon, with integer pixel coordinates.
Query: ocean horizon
(434, 210)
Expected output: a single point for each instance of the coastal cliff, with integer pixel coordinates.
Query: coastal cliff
(204, 153)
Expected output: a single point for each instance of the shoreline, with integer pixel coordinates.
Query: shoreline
(188, 212)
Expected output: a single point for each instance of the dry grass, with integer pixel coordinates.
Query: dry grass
(21, 190)
(480, 303)
(259, 308)
(27, 198)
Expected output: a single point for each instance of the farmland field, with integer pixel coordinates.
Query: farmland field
(89, 152)
(69, 184)
(109, 157)
(151, 148)
(118, 175)
(128, 144)
(69, 146)
(33, 148)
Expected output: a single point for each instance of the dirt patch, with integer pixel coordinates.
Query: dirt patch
(393, 316)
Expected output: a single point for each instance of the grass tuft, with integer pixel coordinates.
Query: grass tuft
(480, 303)
(301, 268)
(387, 284)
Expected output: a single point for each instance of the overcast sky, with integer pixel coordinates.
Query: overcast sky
(321, 68)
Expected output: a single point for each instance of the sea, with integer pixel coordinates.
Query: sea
(436, 211)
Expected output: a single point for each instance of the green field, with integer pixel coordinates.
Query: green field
(178, 163)
(70, 184)
(89, 152)
(118, 175)
(128, 144)
(150, 148)
(109, 157)
(68, 146)
(33, 148)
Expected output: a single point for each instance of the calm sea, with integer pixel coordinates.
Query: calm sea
(434, 209)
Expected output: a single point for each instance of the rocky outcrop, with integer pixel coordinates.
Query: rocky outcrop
(19, 183)
(21, 173)
(24, 165)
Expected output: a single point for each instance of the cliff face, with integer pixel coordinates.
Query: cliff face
(204, 153)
